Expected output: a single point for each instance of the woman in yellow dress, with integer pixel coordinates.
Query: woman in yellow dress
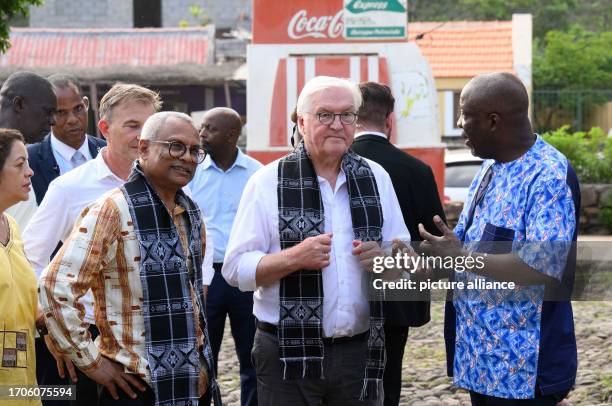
(18, 287)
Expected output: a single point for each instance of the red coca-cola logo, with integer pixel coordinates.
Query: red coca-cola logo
(302, 26)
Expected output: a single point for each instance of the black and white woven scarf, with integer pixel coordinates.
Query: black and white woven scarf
(301, 293)
(168, 308)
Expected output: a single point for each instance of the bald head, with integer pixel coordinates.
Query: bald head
(220, 130)
(27, 104)
(228, 116)
(494, 116)
(498, 92)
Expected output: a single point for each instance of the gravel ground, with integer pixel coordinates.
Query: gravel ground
(424, 377)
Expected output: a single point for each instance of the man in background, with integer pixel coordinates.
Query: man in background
(67, 146)
(217, 187)
(417, 193)
(27, 104)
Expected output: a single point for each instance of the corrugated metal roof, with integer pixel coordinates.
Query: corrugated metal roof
(93, 48)
(465, 48)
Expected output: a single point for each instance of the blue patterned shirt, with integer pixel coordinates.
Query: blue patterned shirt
(498, 340)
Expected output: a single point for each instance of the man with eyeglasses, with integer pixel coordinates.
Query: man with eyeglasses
(66, 147)
(123, 111)
(304, 239)
(217, 187)
(141, 248)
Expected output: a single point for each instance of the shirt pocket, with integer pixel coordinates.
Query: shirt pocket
(496, 239)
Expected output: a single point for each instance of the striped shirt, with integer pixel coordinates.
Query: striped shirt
(103, 253)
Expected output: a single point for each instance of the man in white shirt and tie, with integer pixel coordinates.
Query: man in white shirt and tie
(64, 148)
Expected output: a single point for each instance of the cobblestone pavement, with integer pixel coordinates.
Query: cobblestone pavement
(424, 376)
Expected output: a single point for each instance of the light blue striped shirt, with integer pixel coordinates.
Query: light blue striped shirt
(218, 195)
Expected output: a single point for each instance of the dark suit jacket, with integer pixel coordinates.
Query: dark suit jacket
(43, 163)
(417, 192)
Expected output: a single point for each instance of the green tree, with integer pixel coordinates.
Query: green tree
(594, 15)
(577, 59)
(577, 67)
(10, 9)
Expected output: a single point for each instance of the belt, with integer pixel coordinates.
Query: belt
(272, 329)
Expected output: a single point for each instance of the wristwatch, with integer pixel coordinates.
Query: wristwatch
(41, 327)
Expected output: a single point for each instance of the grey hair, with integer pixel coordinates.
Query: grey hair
(156, 122)
(319, 83)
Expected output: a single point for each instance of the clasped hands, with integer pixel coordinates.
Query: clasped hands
(314, 253)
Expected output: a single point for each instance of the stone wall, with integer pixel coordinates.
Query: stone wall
(592, 195)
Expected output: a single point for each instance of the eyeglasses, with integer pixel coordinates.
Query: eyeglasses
(327, 118)
(177, 150)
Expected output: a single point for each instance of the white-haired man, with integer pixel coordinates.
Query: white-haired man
(140, 248)
(304, 238)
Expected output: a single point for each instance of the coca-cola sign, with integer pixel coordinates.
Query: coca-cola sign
(329, 21)
(302, 25)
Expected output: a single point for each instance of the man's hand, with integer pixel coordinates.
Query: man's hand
(63, 361)
(312, 253)
(111, 374)
(446, 246)
(366, 252)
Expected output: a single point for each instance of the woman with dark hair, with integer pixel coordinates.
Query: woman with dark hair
(18, 287)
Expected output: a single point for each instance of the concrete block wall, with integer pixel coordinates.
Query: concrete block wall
(119, 13)
(224, 14)
(82, 14)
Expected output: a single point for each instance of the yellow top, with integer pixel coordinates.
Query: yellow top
(18, 304)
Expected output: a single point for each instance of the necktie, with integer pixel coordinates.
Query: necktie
(77, 159)
(482, 189)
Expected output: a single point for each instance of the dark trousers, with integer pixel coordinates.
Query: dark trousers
(395, 342)
(224, 300)
(46, 374)
(343, 367)
(146, 398)
(540, 400)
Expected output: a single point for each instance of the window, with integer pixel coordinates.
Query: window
(147, 13)
(451, 112)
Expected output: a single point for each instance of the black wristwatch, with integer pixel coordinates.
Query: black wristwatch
(41, 327)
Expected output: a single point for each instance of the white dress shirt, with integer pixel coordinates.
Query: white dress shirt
(218, 192)
(255, 234)
(23, 212)
(61, 207)
(360, 133)
(63, 154)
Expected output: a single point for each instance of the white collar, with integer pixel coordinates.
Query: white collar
(66, 151)
(102, 169)
(360, 133)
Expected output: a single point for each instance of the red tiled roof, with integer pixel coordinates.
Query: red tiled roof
(465, 48)
(90, 48)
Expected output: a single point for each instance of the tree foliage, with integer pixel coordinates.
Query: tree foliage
(590, 153)
(572, 73)
(577, 59)
(8, 10)
(594, 15)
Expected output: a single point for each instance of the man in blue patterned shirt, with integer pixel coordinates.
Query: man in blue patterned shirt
(507, 350)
